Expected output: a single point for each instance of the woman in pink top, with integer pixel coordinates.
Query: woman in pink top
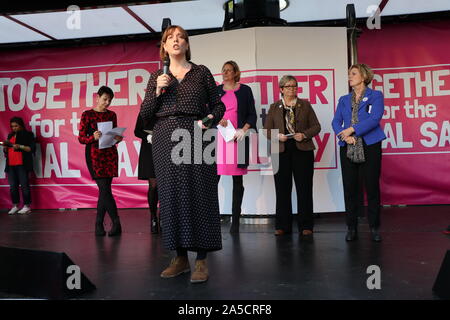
(241, 113)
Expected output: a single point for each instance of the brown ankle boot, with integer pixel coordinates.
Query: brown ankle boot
(200, 273)
(177, 266)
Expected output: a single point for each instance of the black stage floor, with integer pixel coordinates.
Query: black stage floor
(254, 265)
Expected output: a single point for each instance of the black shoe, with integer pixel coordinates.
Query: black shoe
(116, 229)
(154, 229)
(99, 230)
(235, 221)
(352, 235)
(375, 235)
(234, 227)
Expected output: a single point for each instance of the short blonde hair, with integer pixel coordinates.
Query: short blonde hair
(365, 70)
(168, 32)
(285, 79)
(236, 69)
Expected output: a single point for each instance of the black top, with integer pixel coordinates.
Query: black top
(142, 125)
(25, 138)
(145, 165)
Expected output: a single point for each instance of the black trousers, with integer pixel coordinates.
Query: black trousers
(152, 196)
(300, 164)
(106, 201)
(18, 176)
(368, 173)
(238, 195)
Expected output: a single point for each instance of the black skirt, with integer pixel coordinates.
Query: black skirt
(145, 166)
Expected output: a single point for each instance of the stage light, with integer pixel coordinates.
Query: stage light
(229, 5)
(253, 13)
(165, 24)
(284, 4)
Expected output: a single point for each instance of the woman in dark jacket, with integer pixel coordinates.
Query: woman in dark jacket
(297, 124)
(146, 170)
(19, 149)
(240, 111)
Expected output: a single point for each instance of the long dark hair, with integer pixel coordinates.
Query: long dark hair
(19, 121)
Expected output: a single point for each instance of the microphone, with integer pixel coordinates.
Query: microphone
(207, 122)
(166, 64)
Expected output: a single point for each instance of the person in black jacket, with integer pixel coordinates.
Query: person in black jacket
(19, 149)
(240, 111)
(146, 170)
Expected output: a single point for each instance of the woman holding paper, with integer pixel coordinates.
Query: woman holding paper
(357, 125)
(102, 162)
(187, 182)
(297, 124)
(19, 149)
(240, 114)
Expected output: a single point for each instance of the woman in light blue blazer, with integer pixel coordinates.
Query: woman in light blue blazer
(357, 126)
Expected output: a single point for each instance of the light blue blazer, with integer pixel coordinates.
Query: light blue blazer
(370, 112)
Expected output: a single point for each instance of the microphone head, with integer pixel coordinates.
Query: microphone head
(166, 64)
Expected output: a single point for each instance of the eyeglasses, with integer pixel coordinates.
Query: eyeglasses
(290, 87)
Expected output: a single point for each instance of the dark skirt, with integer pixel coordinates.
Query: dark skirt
(189, 204)
(146, 169)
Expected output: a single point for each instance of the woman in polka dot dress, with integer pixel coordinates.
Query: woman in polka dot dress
(189, 205)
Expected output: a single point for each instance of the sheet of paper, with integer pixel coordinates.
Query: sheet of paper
(108, 133)
(227, 132)
(104, 127)
(289, 135)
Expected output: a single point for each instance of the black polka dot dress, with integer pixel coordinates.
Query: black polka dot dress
(189, 204)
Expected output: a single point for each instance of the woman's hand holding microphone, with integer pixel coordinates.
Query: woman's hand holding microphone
(162, 82)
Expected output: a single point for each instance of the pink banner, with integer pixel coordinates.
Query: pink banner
(412, 68)
(50, 89)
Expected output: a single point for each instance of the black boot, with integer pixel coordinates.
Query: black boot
(152, 197)
(116, 229)
(99, 229)
(235, 224)
(154, 221)
(375, 234)
(238, 194)
(352, 234)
